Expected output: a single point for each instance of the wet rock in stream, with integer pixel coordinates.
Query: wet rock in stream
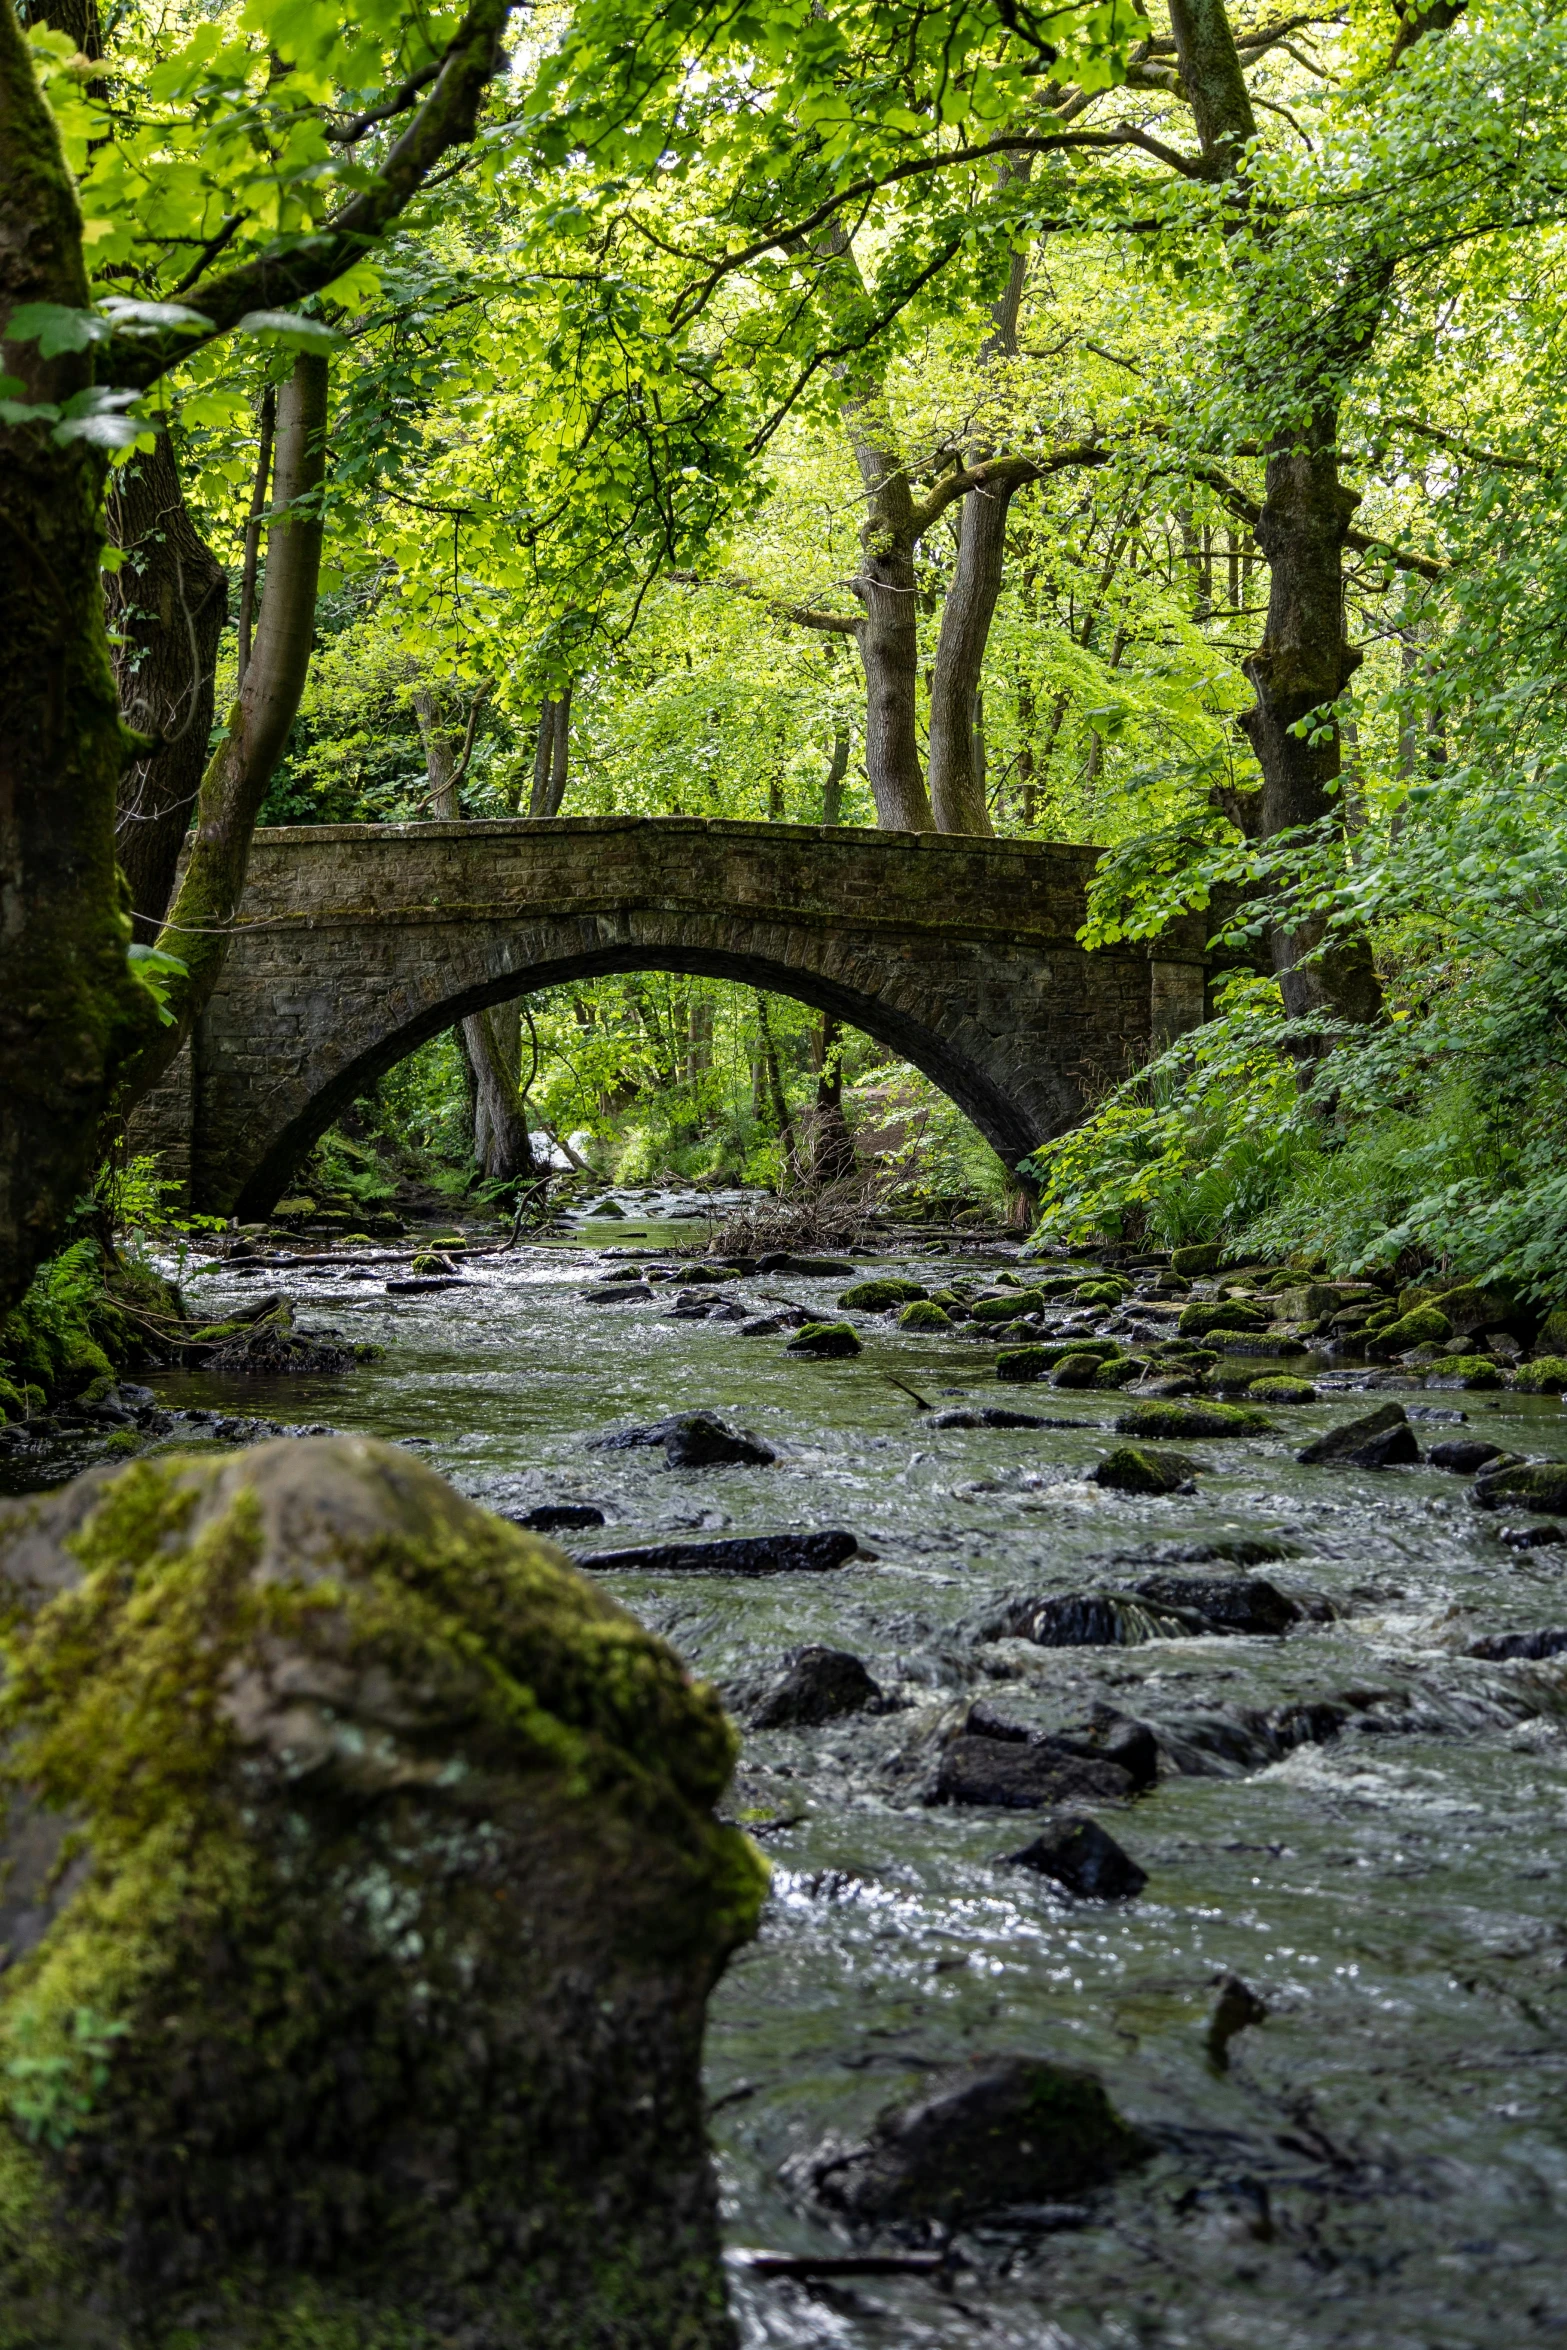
(741, 1554)
(1382, 1439)
(1136, 1468)
(1161, 1607)
(819, 1685)
(1035, 1776)
(1464, 1455)
(1534, 1485)
(1505, 1647)
(989, 2136)
(1246, 1605)
(1084, 1859)
(691, 1440)
(995, 1416)
(560, 1517)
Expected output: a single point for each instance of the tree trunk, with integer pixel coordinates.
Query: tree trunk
(832, 781)
(957, 783)
(1304, 660)
(832, 1145)
(167, 605)
(490, 1041)
(775, 1086)
(885, 584)
(551, 758)
(201, 919)
(1304, 663)
(69, 1007)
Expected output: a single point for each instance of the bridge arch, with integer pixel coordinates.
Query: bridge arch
(357, 943)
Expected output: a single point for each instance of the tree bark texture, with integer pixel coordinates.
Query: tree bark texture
(69, 1007)
(1304, 661)
(167, 605)
(551, 758)
(200, 921)
(832, 1145)
(832, 781)
(957, 781)
(490, 1041)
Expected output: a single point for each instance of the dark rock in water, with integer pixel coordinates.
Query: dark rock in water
(1463, 1455)
(1382, 1439)
(613, 1293)
(1536, 1485)
(768, 1325)
(1084, 1858)
(1032, 1777)
(998, 2132)
(1135, 1468)
(779, 1261)
(982, 1721)
(742, 1554)
(699, 1441)
(691, 1440)
(1085, 1619)
(1530, 1537)
(820, 1685)
(1243, 1604)
(1247, 1738)
(995, 1416)
(560, 1517)
(1499, 1647)
(831, 1340)
(415, 1284)
(1236, 2009)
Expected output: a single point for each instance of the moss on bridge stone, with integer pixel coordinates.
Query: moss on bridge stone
(364, 1893)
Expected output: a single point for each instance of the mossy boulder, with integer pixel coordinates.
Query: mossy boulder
(1477, 1371)
(1197, 1321)
(363, 1893)
(1552, 1335)
(1424, 1325)
(1201, 1258)
(828, 1339)
(1037, 1362)
(1277, 1389)
(1135, 1468)
(1119, 1371)
(1529, 1485)
(1546, 1375)
(924, 1314)
(1173, 1420)
(1080, 1370)
(874, 1297)
(1010, 1308)
(1099, 1293)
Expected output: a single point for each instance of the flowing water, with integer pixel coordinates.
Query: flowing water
(1384, 2163)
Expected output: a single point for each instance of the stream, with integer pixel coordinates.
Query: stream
(1384, 2161)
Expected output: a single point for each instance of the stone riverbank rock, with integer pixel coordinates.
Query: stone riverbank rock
(373, 1983)
(739, 1554)
(1241, 1604)
(561, 1517)
(819, 1685)
(1075, 1853)
(999, 2132)
(1382, 1439)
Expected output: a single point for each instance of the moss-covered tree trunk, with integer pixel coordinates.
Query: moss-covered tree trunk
(69, 1007)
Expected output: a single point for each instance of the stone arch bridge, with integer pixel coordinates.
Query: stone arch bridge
(357, 942)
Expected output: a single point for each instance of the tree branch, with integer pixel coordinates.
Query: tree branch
(803, 615)
(286, 274)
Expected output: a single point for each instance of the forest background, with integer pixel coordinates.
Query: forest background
(1144, 431)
